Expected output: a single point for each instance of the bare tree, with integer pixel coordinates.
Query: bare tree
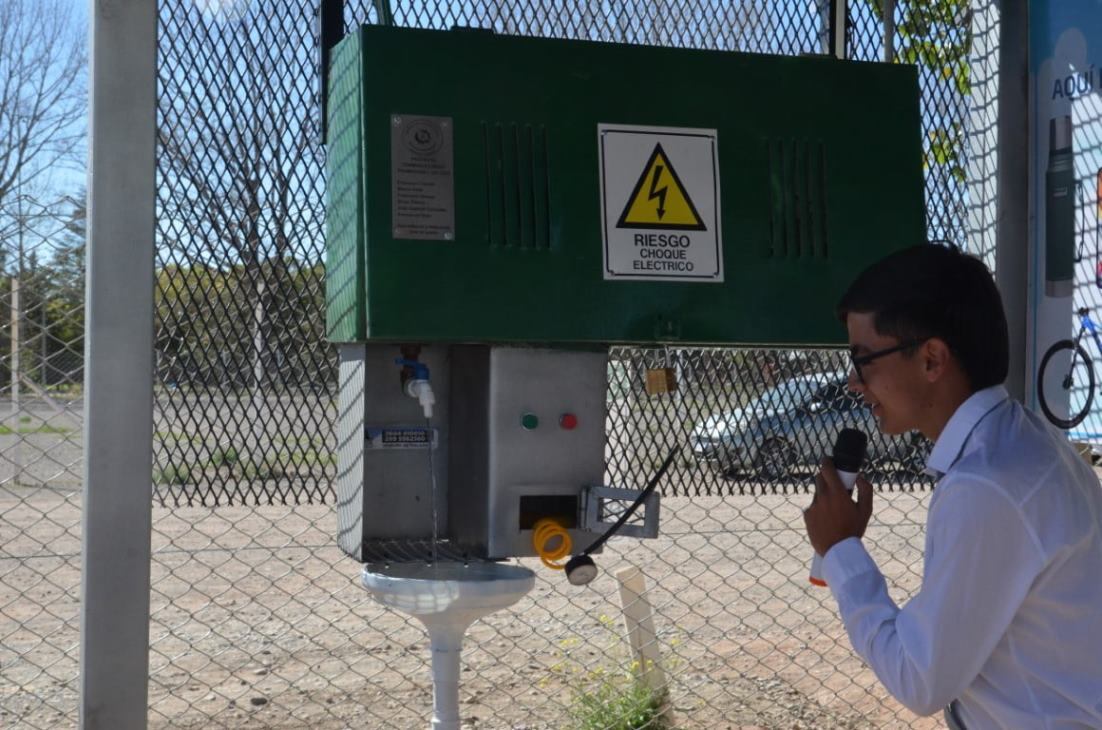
(42, 94)
(238, 164)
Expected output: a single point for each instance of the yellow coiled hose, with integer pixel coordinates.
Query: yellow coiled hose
(543, 537)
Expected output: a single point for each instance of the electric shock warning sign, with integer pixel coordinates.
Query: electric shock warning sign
(660, 203)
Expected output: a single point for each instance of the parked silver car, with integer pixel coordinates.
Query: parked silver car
(793, 425)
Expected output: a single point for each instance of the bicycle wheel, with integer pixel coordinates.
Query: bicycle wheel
(1079, 369)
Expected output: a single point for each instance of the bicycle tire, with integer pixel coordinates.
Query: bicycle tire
(1073, 419)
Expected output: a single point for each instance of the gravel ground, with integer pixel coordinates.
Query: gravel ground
(259, 622)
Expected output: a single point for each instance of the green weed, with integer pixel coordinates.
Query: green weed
(224, 456)
(618, 703)
(8, 431)
(173, 474)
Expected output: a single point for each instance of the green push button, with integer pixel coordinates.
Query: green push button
(529, 421)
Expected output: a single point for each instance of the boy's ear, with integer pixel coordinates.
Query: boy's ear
(936, 357)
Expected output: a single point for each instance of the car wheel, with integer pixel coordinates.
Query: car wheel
(774, 459)
(723, 467)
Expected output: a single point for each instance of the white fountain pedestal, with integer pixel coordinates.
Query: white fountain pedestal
(447, 598)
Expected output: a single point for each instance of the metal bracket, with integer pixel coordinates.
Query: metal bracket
(330, 15)
(597, 516)
(839, 25)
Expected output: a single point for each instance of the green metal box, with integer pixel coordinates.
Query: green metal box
(487, 188)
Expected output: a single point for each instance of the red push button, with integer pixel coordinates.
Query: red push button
(568, 421)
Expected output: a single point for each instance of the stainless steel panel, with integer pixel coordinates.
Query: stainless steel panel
(386, 493)
(397, 483)
(350, 449)
(548, 384)
(487, 457)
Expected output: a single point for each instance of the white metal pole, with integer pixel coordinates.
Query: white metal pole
(118, 394)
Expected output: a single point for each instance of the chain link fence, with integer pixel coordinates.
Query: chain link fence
(41, 366)
(258, 620)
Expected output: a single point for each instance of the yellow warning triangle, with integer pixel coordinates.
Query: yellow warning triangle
(659, 200)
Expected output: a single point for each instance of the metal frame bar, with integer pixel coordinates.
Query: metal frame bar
(839, 19)
(330, 33)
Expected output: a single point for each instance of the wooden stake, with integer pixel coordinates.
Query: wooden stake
(639, 624)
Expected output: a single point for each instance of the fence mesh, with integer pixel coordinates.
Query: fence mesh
(257, 619)
(41, 367)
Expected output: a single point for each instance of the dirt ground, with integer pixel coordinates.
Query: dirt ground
(259, 622)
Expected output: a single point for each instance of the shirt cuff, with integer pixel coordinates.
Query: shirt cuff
(845, 560)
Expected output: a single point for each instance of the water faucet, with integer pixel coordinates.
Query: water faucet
(418, 385)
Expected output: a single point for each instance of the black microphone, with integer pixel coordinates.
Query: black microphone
(849, 451)
(848, 455)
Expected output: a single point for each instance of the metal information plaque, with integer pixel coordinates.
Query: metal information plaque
(399, 437)
(422, 178)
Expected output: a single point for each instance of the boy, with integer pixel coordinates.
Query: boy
(1006, 630)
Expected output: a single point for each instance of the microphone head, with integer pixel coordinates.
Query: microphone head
(849, 450)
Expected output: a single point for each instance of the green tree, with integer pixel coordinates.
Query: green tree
(58, 288)
(936, 35)
(239, 158)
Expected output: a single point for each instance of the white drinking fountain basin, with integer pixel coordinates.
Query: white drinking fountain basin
(447, 597)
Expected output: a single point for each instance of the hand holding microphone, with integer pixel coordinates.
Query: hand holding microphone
(833, 516)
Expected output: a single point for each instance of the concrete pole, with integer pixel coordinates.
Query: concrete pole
(1012, 223)
(17, 306)
(16, 406)
(16, 334)
(258, 336)
(43, 342)
(118, 394)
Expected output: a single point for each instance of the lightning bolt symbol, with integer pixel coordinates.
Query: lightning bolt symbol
(658, 192)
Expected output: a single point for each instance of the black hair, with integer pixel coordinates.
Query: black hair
(933, 291)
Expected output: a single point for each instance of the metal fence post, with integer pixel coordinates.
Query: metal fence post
(118, 396)
(1012, 254)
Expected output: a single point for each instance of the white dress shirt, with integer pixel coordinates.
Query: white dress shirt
(1008, 620)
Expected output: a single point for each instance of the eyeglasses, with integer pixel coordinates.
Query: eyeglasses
(859, 361)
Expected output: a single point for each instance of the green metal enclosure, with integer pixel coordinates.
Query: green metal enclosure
(488, 188)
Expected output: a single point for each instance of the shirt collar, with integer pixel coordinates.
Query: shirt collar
(957, 429)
